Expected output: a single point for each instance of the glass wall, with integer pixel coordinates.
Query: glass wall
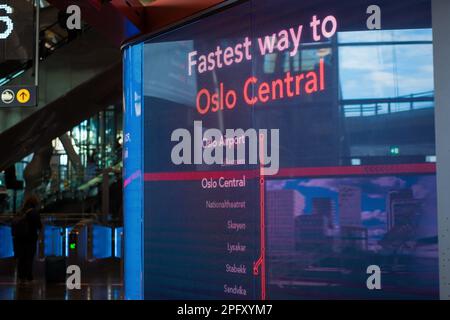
(76, 159)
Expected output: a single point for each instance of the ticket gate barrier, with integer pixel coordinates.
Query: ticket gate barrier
(78, 244)
(102, 241)
(6, 242)
(118, 242)
(53, 241)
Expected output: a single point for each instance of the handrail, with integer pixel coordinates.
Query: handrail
(19, 70)
(383, 106)
(48, 52)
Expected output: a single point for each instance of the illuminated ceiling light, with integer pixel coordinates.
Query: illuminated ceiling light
(430, 159)
(63, 159)
(394, 150)
(57, 145)
(145, 2)
(323, 52)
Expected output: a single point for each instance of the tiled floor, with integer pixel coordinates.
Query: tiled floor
(101, 281)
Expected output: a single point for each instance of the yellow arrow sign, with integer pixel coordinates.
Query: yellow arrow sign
(23, 95)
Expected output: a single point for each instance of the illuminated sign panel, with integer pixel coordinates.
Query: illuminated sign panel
(16, 30)
(9, 25)
(17, 51)
(18, 96)
(344, 97)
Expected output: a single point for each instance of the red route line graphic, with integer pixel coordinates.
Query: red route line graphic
(261, 262)
(259, 266)
(132, 177)
(358, 170)
(294, 172)
(199, 175)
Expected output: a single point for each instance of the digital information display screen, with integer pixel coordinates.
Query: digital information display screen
(17, 51)
(334, 196)
(16, 30)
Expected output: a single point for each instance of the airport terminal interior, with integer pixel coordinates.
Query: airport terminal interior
(345, 95)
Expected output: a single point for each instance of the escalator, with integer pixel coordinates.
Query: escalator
(79, 75)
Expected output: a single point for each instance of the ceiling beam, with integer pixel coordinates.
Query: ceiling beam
(117, 20)
(120, 20)
(162, 13)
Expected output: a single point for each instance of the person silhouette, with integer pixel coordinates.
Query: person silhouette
(25, 230)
